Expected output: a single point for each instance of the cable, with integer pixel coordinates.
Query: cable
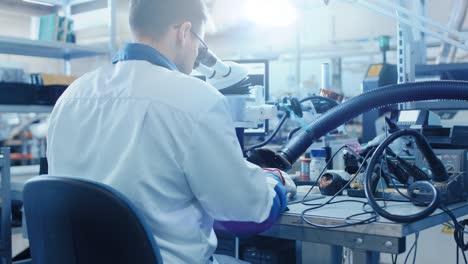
(348, 220)
(268, 140)
(319, 108)
(381, 184)
(464, 256)
(292, 108)
(325, 168)
(331, 103)
(318, 97)
(371, 219)
(426, 149)
(393, 183)
(459, 233)
(416, 249)
(399, 192)
(292, 132)
(416, 238)
(289, 112)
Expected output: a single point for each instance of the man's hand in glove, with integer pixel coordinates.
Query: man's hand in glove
(286, 180)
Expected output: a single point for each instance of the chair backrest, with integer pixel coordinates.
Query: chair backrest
(78, 221)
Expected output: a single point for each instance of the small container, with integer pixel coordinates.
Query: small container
(305, 168)
(318, 162)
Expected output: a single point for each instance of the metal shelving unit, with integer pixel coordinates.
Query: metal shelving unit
(44, 49)
(47, 49)
(65, 2)
(5, 223)
(56, 50)
(25, 108)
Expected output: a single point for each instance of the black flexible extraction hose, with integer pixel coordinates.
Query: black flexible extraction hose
(380, 97)
(319, 108)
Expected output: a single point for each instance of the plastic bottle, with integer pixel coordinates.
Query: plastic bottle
(318, 163)
(305, 168)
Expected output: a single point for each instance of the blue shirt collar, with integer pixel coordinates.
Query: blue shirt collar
(136, 51)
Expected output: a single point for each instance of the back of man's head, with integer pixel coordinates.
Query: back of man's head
(152, 18)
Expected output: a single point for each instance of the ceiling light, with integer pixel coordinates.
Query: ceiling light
(270, 13)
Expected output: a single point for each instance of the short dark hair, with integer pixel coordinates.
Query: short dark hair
(152, 18)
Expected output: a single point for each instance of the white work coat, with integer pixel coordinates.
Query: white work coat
(167, 142)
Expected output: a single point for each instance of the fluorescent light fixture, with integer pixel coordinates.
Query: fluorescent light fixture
(271, 13)
(38, 2)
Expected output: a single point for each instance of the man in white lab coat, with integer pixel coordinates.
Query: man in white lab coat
(164, 139)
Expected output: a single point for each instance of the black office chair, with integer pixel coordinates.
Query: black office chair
(76, 221)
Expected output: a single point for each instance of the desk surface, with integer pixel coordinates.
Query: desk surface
(336, 213)
(381, 236)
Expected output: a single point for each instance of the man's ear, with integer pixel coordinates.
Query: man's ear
(184, 33)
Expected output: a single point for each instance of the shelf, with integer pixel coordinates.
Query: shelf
(63, 2)
(25, 108)
(53, 2)
(77, 2)
(47, 49)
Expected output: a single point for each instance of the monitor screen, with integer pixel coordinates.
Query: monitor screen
(409, 116)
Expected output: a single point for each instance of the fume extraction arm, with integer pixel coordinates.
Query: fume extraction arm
(384, 96)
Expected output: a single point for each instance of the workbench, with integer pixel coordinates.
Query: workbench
(366, 241)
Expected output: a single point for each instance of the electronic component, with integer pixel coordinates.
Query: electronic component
(456, 163)
(331, 183)
(440, 189)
